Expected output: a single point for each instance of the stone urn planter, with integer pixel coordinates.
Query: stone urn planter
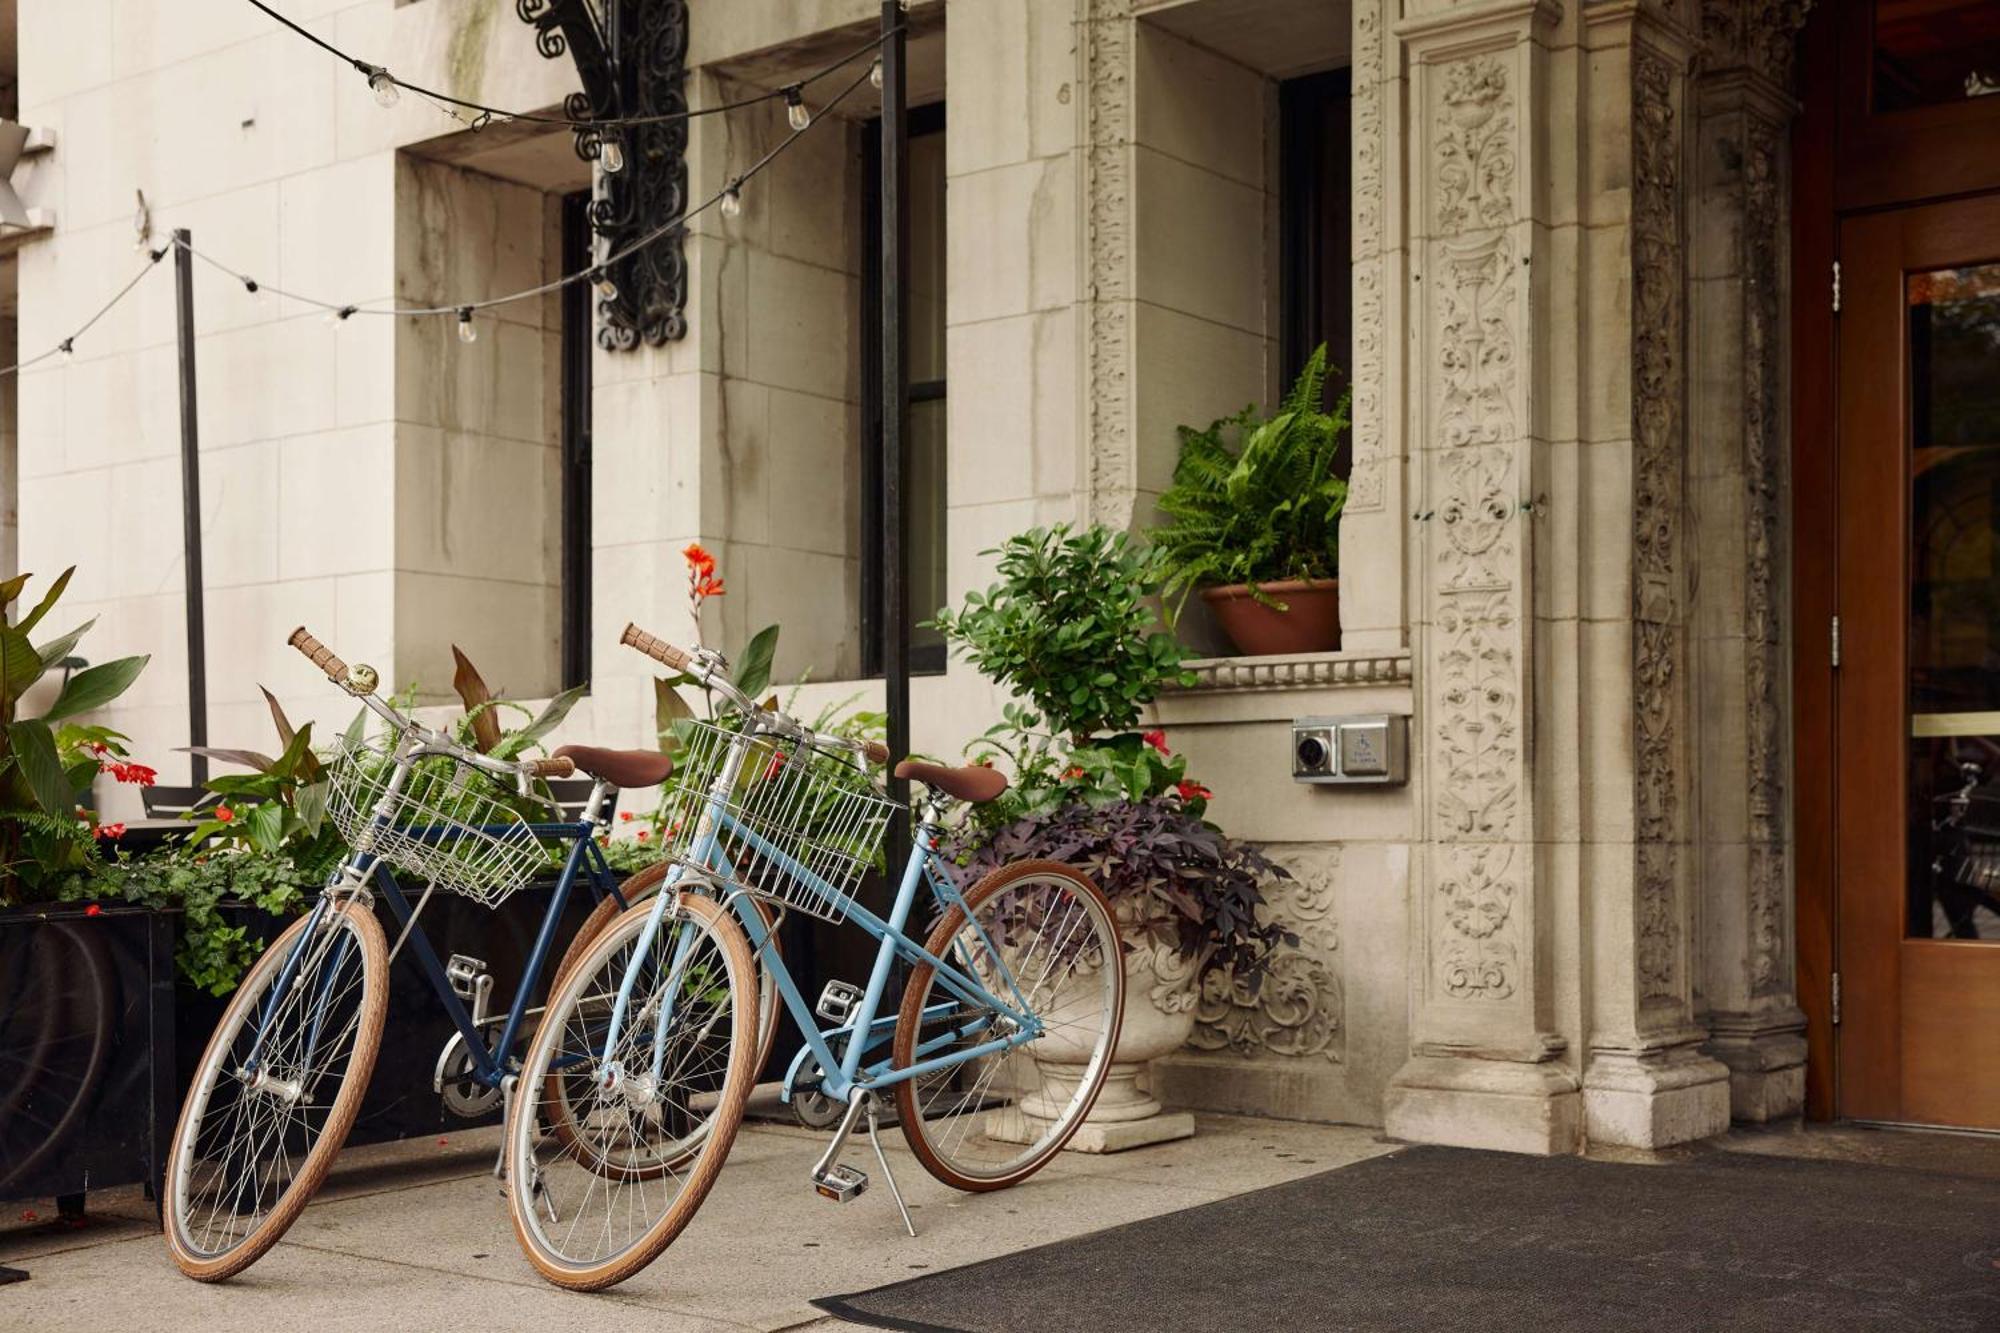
(1310, 622)
(1162, 988)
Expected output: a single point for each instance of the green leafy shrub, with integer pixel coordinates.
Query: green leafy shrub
(46, 771)
(1256, 500)
(1070, 627)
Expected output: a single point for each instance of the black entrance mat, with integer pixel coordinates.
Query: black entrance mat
(1444, 1238)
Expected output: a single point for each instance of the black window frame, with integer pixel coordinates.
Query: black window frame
(578, 340)
(926, 659)
(1315, 225)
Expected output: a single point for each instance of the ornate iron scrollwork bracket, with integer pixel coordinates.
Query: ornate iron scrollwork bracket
(632, 58)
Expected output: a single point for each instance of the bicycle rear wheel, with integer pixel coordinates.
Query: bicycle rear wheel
(995, 1120)
(276, 1091)
(645, 1131)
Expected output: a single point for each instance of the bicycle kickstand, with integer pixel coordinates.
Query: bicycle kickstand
(840, 1183)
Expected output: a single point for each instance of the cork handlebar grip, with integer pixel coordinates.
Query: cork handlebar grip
(876, 753)
(319, 654)
(558, 767)
(657, 649)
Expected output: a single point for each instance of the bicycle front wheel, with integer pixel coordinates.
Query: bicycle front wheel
(614, 1158)
(1039, 932)
(276, 1092)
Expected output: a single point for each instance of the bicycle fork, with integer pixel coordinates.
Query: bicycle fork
(840, 1183)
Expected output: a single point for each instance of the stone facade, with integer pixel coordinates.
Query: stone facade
(1562, 556)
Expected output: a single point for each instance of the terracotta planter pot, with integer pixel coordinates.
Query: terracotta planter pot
(1310, 622)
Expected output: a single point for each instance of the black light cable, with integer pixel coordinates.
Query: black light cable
(385, 85)
(67, 346)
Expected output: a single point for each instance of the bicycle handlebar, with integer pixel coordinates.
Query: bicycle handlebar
(360, 682)
(319, 655)
(702, 666)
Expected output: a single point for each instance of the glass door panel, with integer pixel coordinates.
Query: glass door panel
(1954, 602)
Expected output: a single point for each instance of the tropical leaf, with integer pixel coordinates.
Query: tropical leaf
(34, 617)
(311, 806)
(34, 750)
(11, 588)
(472, 689)
(546, 721)
(668, 708)
(753, 671)
(95, 687)
(278, 718)
(263, 763)
(20, 666)
(56, 649)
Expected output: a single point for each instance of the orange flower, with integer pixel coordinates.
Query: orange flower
(1191, 790)
(642, 835)
(698, 558)
(1158, 740)
(110, 830)
(224, 813)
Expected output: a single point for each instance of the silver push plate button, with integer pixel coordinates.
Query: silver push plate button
(1368, 749)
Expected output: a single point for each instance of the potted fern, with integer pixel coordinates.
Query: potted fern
(1253, 521)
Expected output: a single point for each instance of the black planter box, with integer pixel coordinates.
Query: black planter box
(401, 1102)
(88, 1085)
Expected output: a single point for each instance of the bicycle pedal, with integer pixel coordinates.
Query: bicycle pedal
(840, 1183)
(838, 1001)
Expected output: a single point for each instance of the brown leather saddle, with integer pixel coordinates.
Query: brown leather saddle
(968, 782)
(620, 768)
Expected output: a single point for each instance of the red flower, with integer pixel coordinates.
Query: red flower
(137, 773)
(97, 747)
(625, 815)
(604, 840)
(93, 910)
(1074, 772)
(1191, 790)
(110, 830)
(224, 813)
(1158, 740)
(642, 835)
(698, 558)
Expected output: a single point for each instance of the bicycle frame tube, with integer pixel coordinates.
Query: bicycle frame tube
(582, 857)
(864, 1031)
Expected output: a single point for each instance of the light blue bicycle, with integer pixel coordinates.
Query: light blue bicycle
(633, 1087)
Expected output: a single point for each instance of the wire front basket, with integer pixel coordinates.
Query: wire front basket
(791, 807)
(448, 823)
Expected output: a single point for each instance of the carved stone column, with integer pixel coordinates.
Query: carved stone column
(1373, 527)
(1487, 1067)
(1739, 450)
(1646, 1083)
(1105, 39)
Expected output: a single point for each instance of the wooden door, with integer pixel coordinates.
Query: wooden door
(1917, 692)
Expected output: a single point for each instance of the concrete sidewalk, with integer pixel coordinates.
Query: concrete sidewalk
(415, 1236)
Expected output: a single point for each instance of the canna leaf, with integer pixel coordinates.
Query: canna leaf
(94, 687)
(34, 617)
(472, 689)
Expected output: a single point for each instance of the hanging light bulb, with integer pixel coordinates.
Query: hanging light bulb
(875, 76)
(467, 330)
(337, 315)
(68, 349)
(383, 84)
(732, 201)
(611, 155)
(606, 288)
(795, 108)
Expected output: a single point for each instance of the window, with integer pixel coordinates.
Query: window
(925, 343)
(577, 318)
(1314, 128)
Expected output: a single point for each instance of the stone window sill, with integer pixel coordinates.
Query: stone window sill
(1302, 671)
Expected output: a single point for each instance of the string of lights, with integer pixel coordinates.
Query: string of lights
(728, 201)
(67, 347)
(388, 88)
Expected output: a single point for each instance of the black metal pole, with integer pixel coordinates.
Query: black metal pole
(895, 405)
(197, 651)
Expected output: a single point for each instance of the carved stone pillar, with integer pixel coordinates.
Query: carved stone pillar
(1646, 1082)
(1486, 1067)
(1373, 524)
(1105, 39)
(1739, 450)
